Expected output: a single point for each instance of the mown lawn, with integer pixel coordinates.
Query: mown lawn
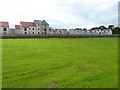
(60, 63)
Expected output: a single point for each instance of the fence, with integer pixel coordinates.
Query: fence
(57, 36)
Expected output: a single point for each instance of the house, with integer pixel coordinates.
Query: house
(42, 26)
(32, 28)
(58, 31)
(18, 29)
(97, 31)
(71, 31)
(84, 31)
(52, 31)
(28, 27)
(4, 28)
(90, 31)
(64, 31)
(106, 31)
(78, 31)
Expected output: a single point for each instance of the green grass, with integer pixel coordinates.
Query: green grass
(0, 63)
(72, 62)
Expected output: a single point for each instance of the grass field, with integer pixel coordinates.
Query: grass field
(60, 63)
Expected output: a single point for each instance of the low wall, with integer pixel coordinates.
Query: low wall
(57, 36)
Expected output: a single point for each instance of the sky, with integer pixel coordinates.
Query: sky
(61, 13)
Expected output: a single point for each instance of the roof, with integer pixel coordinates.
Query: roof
(4, 24)
(64, 29)
(58, 29)
(27, 24)
(17, 26)
(106, 30)
(73, 29)
(90, 30)
(97, 29)
(41, 22)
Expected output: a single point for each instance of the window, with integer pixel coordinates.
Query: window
(33, 28)
(25, 29)
(38, 28)
(29, 28)
(33, 32)
(38, 32)
(25, 32)
(45, 30)
(5, 29)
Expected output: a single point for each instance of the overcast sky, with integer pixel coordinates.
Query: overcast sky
(61, 13)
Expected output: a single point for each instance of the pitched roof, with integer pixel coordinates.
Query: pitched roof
(17, 26)
(58, 29)
(64, 29)
(27, 24)
(106, 30)
(4, 24)
(97, 29)
(41, 22)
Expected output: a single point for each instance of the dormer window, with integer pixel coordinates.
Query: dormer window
(33, 28)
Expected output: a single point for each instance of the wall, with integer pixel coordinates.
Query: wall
(4, 32)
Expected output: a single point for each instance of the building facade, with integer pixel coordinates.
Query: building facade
(4, 28)
(32, 28)
(38, 27)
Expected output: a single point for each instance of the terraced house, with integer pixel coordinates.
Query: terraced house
(36, 27)
(4, 28)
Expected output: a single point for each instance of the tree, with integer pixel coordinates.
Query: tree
(78, 29)
(111, 27)
(85, 30)
(116, 30)
(102, 27)
(94, 28)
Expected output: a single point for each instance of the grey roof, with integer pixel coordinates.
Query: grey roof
(64, 29)
(106, 29)
(41, 22)
(75, 29)
(97, 29)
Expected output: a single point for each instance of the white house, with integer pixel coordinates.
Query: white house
(4, 28)
(52, 31)
(106, 31)
(58, 31)
(74, 31)
(97, 31)
(64, 31)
